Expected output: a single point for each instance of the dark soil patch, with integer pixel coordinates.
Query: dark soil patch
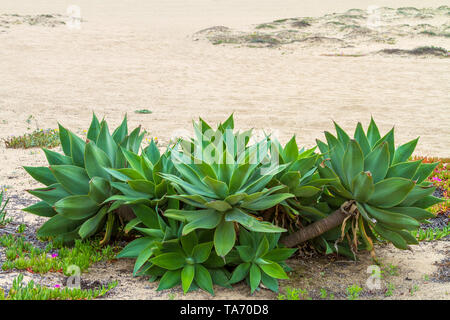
(91, 284)
(17, 202)
(443, 272)
(439, 192)
(440, 222)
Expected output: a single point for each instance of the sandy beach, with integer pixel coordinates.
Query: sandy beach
(131, 55)
(137, 55)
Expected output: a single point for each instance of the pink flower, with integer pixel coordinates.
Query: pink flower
(57, 286)
(54, 255)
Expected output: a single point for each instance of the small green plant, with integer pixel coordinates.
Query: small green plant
(30, 117)
(389, 289)
(414, 289)
(172, 296)
(323, 293)
(33, 291)
(294, 294)
(392, 270)
(11, 254)
(353, 292)
(426, 277)
(143, 111)
(21, 228)
(39, 138)
(3, 220)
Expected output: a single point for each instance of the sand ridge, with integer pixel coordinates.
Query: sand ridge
(354, 32)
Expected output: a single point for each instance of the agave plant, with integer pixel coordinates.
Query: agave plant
(183, 262)
(144, 191)
(141, 184)
(156, 233)
(78, 183)
(151, 260)
(376, 184)
(187, 260)
(261, 260)
(301, 179)
(224, 179)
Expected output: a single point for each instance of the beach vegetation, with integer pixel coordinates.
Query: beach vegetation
(79, 185)
(4, 220)
(23, 255)
(143, 111)
(34, 291)
(224, 206)
(39, 138)
(265, 26)
(294, 294)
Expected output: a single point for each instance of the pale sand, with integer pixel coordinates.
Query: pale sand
(133, 55)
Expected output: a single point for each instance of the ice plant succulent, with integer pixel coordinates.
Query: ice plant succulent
(77, 182)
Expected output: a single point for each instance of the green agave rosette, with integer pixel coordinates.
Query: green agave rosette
(78, 182)
(390, 191)
(223, 179)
